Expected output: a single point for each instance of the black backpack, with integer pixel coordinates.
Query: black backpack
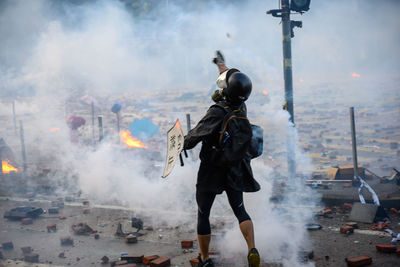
(237, 139)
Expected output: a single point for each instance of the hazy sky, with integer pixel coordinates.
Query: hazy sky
(59, 46)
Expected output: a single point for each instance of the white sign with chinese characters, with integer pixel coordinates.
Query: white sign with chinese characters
(175, 146)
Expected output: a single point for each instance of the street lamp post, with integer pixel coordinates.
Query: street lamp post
(287, 34)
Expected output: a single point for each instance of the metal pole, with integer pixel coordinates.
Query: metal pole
(353, 142)
(93, 123)
(21, 131)
(287, 57)
(14, 117)
(189, 127)
(287, 75)
(67, 109)
(1, 164)
(100, 118)
(118, 127)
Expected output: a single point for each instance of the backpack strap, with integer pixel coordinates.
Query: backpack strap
(226, 107)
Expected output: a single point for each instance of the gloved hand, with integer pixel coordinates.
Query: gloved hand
(219, 58)
(217, 96)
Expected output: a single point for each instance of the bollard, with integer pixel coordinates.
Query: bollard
(101, 134)
(21, 131)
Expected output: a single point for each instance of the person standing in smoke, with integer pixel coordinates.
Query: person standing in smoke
(213, 177)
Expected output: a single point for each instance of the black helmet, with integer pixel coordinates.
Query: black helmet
(239, 88)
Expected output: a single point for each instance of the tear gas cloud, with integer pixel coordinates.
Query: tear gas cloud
(55, 49)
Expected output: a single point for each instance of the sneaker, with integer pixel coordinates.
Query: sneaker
(219, 58)
(253, 258)
(207, 263)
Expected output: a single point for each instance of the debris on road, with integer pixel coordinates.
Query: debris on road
(67, 241)
(20, 213)
(359, 261)
(82, 229)
(34, 258)
(7, 245)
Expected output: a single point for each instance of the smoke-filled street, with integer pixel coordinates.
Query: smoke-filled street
(199, 133)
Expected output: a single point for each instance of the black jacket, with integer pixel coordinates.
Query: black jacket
(213, 177)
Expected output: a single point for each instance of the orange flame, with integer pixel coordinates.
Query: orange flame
(265, 92)
(7, 167)
(129, 140)
(355, 75)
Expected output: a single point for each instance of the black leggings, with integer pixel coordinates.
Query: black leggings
(204, 203)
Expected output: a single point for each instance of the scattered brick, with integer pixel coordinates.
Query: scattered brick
(194, 262)
(395, 210)
(125, 217)
(386, 248)
(149, 228)
(96, 236)
(131, 239)
(347, 185)
(86, 210)
(148, 259)
(31, 258)
(85, 202)
(53, 210)
(130, 265)
(352, 224)
(326, 212)
(359, 261)
(26, 250)
(379, 226)
(26, 221)
(61, 217)
(105, 259)
(348, 205)
(51, 227)
(346, 230)
(187, 243)
(67, 241)
(132, 258)
(82, 229)
(160, 262)
(7, 245)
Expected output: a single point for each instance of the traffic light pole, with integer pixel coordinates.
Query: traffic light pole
(287, 34)
(287, 57)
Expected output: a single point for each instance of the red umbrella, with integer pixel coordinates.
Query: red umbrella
(74, 122)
